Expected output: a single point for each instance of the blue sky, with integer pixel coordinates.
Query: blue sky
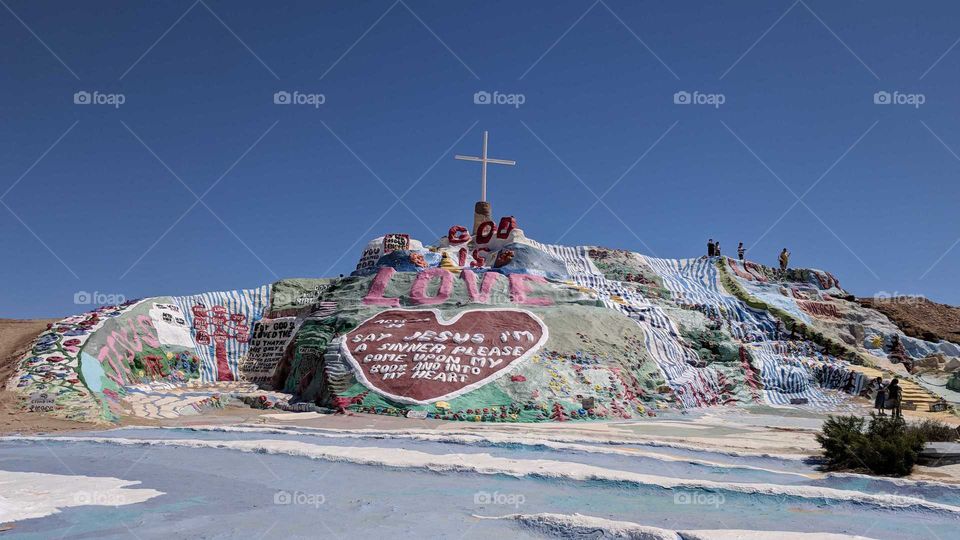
(103, 198)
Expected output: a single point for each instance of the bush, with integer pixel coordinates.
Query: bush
(936, 431)
(885, 446)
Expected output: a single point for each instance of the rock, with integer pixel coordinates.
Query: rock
(932, 361)
(952, 364)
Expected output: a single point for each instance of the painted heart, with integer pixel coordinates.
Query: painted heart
(412, 356)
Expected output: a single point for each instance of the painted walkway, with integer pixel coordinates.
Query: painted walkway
(281, 481)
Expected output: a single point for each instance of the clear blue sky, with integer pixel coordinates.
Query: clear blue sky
(598, 80)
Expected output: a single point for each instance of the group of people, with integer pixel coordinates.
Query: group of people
(713, 250)
(887, 396)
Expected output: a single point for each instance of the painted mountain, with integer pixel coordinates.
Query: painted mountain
(490, 326)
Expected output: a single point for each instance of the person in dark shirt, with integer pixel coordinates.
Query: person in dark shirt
(894, 398)
(711, 248)
(741, 251)
(878, 401)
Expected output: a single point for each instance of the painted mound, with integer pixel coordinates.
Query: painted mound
(486, 327)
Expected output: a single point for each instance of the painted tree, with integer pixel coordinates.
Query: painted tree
(558, 413)
(619, 410)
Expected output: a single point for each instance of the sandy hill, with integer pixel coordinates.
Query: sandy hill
(919, 317)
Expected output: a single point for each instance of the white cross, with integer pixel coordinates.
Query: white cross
(483, 170)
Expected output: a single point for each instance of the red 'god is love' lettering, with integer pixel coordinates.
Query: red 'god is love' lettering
(412, 356)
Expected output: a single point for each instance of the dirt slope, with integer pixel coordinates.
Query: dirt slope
(919, 317)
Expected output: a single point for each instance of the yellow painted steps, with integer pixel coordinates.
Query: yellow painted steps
(912, 391)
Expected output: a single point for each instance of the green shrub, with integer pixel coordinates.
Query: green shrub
(841, 438)
(936, 431)
(885, 446)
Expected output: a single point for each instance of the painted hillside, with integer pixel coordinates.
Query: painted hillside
(485, 326)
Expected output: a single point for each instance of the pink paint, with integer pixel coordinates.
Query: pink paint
(116, 371)
(375, 296)
(470, 279)
(418, 292)
(736, 270)
(519, 290)
(124, 344)
(147, 331)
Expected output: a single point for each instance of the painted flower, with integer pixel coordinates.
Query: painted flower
(47, 338)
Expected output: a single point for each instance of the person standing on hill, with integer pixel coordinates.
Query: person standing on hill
(741, 251)
(784, 260)
(711, 248)
(716, 249)
(894, 397)
(876, 385)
